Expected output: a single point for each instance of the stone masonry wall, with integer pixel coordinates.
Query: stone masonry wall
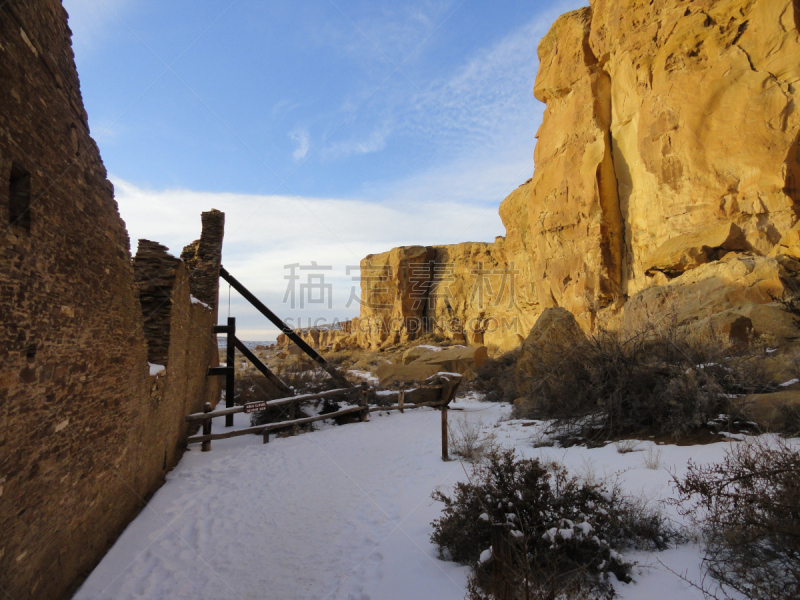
(191, 348)
(203, 258)
(85, 433)
(155, 272)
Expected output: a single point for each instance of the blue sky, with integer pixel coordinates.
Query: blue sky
(325, 130)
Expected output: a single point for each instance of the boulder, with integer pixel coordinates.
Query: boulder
(456, 359)
(416, 352)
(555, 327)
(465, 360)
(391, 375)
(555, 331)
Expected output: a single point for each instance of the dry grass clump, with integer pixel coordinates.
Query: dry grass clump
(652, 458)
(468, 440)
(748, 508)
(564, 532)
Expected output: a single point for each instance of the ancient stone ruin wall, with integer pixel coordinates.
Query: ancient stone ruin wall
(86, 434)
(667, 175)
(202, 257)
(155, 271)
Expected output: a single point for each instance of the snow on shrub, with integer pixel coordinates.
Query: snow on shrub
(565, 533)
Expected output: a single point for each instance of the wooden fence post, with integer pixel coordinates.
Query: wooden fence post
(364, 414)
(206, 428)
(231, 363)
(445, 453)
(502, 583)
(402, 398)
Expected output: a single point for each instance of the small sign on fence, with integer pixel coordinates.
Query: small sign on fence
(252, 407)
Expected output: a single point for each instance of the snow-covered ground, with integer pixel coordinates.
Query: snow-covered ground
(345, 512)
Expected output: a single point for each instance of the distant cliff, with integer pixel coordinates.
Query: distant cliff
(667, 176)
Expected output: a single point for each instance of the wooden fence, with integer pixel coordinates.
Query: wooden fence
(445, 383)
(444, 386)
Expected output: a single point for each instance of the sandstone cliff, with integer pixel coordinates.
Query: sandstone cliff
(667, 172)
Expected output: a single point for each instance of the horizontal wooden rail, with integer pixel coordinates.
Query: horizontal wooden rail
(273, 426)
(436, 386)
(217, 413)
(219, 371)
(271, 403)
(404, 406)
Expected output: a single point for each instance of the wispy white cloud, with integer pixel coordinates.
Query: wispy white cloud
(487, 102)
(481, 108)
(374, 142)
(301, 137)
(377, 33)
(266, 233)
(283, 107)
(400, 28)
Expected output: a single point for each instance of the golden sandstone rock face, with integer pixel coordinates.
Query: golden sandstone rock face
(704, 124)
(464, 292)
(667, 164)
(564, 226)
(393, 295)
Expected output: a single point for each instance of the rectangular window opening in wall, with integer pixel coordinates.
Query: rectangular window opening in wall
(19, 197)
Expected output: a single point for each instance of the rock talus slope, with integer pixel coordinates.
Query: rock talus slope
(667, 165)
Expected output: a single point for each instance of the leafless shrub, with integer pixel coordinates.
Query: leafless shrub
(660, 380)
(626, 446)
(304, 375)
(652, 458)
(790, 302)
(496, 378)
(748, 508)
(468, 440)
(254, 387)
(790, 417)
